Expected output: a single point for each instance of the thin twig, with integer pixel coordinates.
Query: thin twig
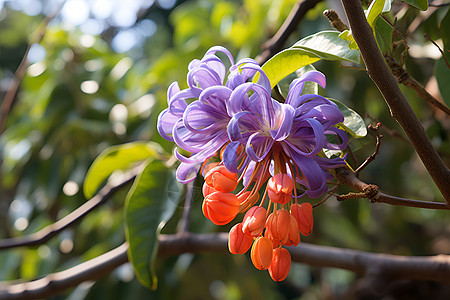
(370, 191)
(74, 217)
(432, 268)
(330, 194)
(275, 44)
(398, 105)
(427, 36)
(404, 78)
(371, 158)
(21, 69)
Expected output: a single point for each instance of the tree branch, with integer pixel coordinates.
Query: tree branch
(398, 105)
(434, 268)
(21, 69)
(275, 44)
(74, 217)
(370, 191)
(404, 78)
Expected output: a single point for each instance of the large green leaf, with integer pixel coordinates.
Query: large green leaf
(149, 205)
(120, 157)
(445, 32)
(442, 73)
(353, 122)
(324, 45)
(383, 33)
(420, 4)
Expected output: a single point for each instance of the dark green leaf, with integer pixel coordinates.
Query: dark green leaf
(149, 205)
(442, 73)
(445, 32)
(383, 32)
(120, 157)
(420, 4)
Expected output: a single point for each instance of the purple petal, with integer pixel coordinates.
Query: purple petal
(284, 119)
(187, 172)
(258, 146)
(230, 157)
(313, 177)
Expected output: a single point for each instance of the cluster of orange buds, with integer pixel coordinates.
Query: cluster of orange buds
(264, 230)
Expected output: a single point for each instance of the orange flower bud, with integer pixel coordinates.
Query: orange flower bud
(294, 234)
(278, 225)
(220, 207)
(221, 179)
(303, 213)
(279, 188)
(208, 168)
(261, 253)
(281, 264)
(206, 189)
(275, 243)
(238, 242)
(254, 221)
(248, 197)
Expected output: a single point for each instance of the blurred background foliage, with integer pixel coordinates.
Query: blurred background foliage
(98, 78)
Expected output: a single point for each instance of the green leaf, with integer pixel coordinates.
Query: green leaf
(383, 33)
(150, 203)
(353, 122)
(287, 62)
(120, 157)
(445, 32)
(375, 9)
(420, 4)
(324, 45)
(442, 73)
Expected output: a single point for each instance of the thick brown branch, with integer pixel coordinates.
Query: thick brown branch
(370, 191)
(398, 105)
(275, 44)
(51, 230)
(434, 268)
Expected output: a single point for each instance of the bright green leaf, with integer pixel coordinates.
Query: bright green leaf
(420, 4)
(375, 9)
(353, 122)
(150, 203)
(287, 62)
(120, 157)
(323, 45)
(442, 73)
(327, 45)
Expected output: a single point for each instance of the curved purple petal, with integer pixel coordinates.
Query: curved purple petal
(187, 172)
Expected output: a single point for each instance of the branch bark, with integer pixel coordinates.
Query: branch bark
(275, 44)
(370, 191)
(433, 268)
(398, 105)
(74, 217)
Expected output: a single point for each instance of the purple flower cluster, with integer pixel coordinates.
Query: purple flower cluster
(221, 111)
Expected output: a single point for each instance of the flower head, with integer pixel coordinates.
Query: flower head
(199, 127)
(274, 149)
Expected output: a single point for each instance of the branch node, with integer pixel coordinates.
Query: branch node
(334, 20)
